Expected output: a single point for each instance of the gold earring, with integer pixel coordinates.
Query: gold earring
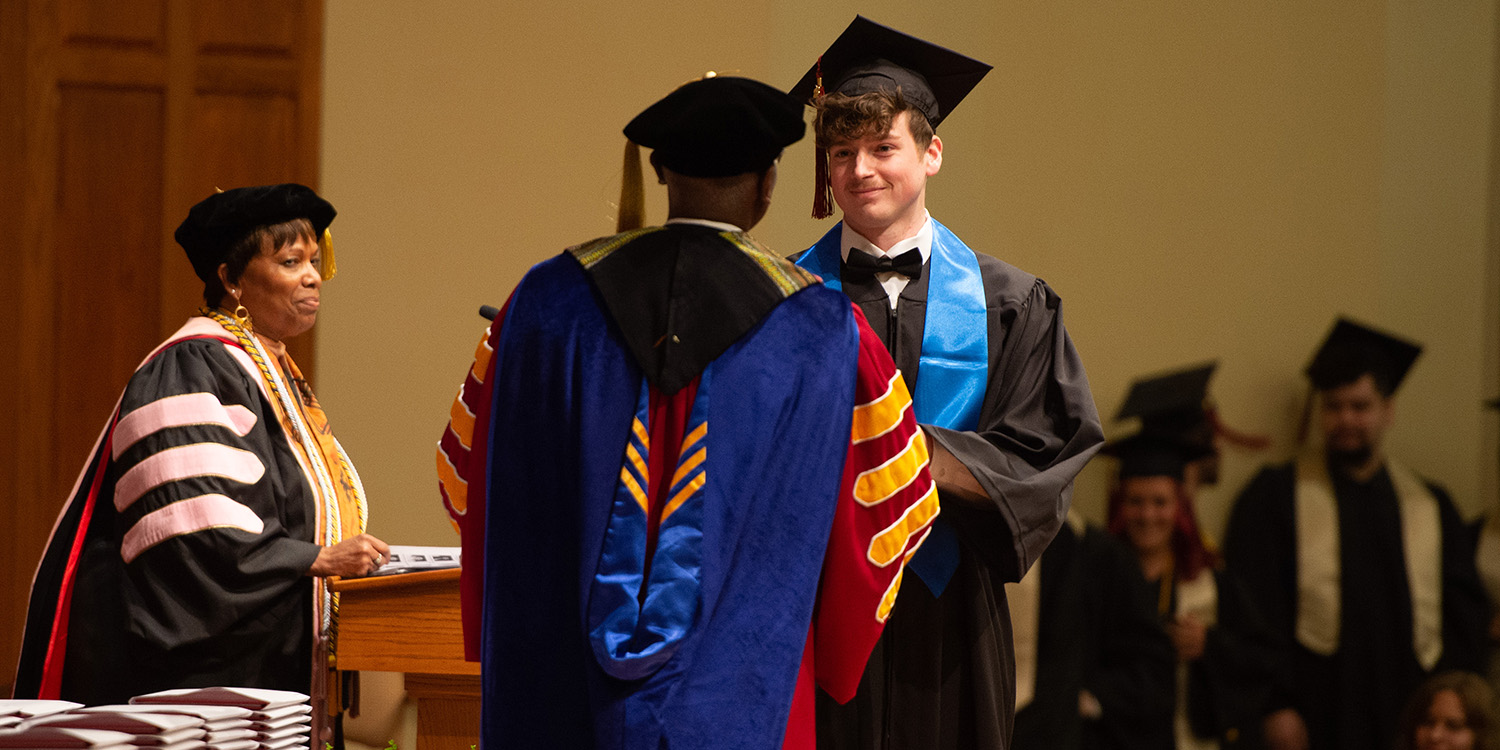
(241, 315)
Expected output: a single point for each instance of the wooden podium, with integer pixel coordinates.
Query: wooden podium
(410, 623)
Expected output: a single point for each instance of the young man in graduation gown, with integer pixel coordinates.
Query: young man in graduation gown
(1360, 568)
(687, 471)
(997, 385)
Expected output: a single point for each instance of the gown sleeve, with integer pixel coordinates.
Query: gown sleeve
(215, 519)
(1228, 685)
(1134, 677)
(462, 453)
(1037, 428)
(1465, 609)
(887, 502)
(1259, 566)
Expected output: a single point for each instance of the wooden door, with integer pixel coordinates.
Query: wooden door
(116, 116)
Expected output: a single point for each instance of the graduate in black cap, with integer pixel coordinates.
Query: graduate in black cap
(652, 467)
(1175, 406)
(1094, 668)
(193, 550)
(1221, 643)
(998, 387)
(1361, 568)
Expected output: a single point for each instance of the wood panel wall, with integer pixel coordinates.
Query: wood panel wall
(116, 116)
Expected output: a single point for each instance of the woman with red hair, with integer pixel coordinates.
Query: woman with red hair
(1220, 680)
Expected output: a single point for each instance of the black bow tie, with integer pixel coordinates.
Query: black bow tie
(862, 264)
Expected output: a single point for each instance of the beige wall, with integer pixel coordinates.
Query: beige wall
(1198, 180)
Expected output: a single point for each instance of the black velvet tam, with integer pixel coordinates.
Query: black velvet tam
(216, 223)
(719, 126)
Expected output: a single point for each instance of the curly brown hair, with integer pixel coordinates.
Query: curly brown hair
(842, 117)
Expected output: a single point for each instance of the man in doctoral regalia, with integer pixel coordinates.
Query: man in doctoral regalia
(687, 471)
(1361, 569)
(997, 386)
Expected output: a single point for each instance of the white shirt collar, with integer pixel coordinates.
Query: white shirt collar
(719, 225)
(922, 241)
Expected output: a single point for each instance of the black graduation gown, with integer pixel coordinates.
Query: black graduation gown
(1097, 631)
(1351, 699)
(1228, 686)
(943, 673)
(220, 606)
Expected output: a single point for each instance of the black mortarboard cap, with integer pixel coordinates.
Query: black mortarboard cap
(1170, 406)
(1352, 350)
(1168, 394)
(1149, 455)
(216, 223)
(719, 126)
(871, 57)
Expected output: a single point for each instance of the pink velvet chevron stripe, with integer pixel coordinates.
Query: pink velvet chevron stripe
(186, 517)
(197, 460)
(180, 411)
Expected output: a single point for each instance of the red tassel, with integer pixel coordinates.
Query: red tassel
(1235, 437)
(822, 188)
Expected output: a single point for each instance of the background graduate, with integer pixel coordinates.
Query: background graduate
(1363, 571)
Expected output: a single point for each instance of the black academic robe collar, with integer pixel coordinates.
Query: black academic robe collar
(681, 295)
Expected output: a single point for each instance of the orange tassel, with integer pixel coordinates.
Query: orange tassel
(632, 213)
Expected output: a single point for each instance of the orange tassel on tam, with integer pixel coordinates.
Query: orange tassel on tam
(329, 267)
(632, 192)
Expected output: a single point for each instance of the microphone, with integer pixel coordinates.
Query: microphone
(487, 312)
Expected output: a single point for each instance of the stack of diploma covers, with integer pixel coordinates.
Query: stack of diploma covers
(220, 718)
(79, 728)
(265, 719)
(224, 727)
(13, 712)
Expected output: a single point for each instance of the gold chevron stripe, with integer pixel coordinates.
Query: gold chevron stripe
(883, 414)
(482, 354)
(461, 421)
(683, 496)
(888, 544)
(875, 486)
(635, 490)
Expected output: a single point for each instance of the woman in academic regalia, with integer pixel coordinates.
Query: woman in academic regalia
(194, 548)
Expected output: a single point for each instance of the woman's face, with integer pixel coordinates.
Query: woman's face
(281, 289)
(1149, 511)
(1445, 727)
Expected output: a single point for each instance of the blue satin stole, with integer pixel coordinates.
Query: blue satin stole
(633, 635)
(953, 370)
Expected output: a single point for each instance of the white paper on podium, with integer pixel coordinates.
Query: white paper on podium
(409, 559)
